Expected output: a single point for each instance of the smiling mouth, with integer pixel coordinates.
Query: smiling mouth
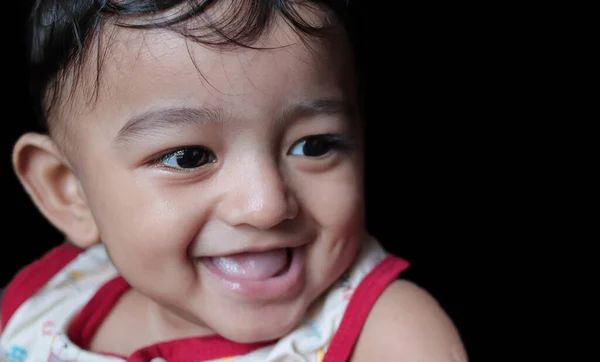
(265, 275)
(254, 265)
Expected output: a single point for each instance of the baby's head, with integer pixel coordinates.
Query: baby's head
(213, 147)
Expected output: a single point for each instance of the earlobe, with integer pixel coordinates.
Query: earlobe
(47, 177)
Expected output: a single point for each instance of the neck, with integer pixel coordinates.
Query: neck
(167, 324)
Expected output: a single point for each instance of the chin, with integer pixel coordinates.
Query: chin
(255, 330)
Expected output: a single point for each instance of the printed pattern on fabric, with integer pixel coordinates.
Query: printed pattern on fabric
(37, 330)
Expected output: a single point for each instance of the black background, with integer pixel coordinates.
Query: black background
(434, 180)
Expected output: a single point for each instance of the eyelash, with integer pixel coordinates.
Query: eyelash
(182, 151)
(332, 143)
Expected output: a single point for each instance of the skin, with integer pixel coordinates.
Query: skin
(110, 177)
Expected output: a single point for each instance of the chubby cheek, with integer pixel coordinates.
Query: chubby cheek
(147, 231)
(336, 206)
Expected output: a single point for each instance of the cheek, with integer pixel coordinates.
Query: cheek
(335, 204)
(334, 201)
(144, 224)
(148, 233)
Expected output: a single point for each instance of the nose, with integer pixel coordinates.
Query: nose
(259, 197)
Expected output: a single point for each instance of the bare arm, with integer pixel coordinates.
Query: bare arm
(407, 324)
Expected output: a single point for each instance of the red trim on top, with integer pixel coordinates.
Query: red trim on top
(196, 349)
(33, 277)
(88, 320)
(361, 303)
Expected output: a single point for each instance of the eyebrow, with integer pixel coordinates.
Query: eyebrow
(154, 121)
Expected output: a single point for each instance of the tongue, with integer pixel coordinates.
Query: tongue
(252, 266)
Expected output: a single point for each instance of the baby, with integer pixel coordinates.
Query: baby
(204, 161)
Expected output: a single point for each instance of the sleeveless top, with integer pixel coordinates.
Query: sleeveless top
(53, 307)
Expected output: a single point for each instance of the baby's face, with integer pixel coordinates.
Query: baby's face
(258, 153)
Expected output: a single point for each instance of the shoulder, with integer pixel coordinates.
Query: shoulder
(407, 324)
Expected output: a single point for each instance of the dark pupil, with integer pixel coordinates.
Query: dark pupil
(190, 158)
(316, 146)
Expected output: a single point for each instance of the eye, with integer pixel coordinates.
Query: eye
(187, 158)
(319, 145)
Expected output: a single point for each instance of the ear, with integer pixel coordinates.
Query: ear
(53, 186)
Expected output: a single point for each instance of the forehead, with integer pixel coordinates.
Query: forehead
(143, 68)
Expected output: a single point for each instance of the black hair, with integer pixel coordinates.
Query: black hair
(62, 31)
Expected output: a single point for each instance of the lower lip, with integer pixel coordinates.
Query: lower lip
(285, 285)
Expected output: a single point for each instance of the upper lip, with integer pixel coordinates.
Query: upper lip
(254, 248)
